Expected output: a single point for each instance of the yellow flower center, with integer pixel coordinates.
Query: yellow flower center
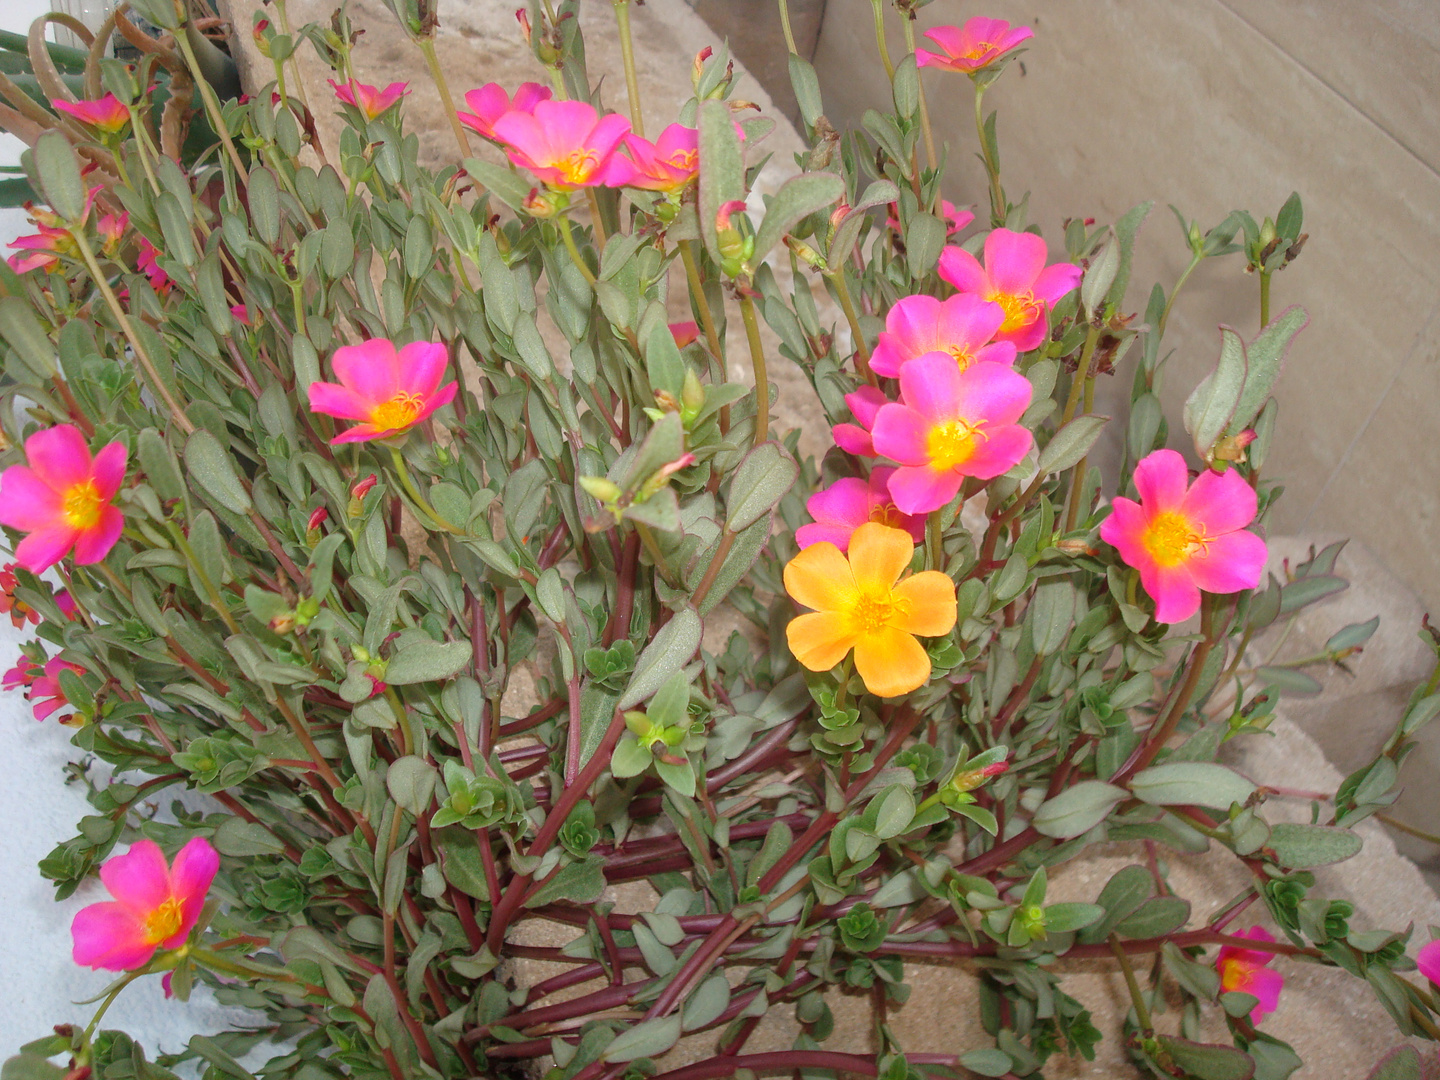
(962, 356)
(951, 444)
(888, 514)
(83, 505)
(873, 613)
(1236, 975)
(1020, 309)
(977, 51)
(684, 159)
(164, 922)
(1171, 538)
(578, 166)
(398, 413)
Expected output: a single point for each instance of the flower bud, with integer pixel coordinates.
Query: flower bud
(1232, 447)
(283, 623)
(692, 398)
(523, 18)
(1074, 546)
(697, 69)
(545, 203)
(317, 518)
(807, 254)
(262, 37)
(971, 779)
(735, 248)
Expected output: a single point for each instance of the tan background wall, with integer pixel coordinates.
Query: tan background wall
(1215, 105)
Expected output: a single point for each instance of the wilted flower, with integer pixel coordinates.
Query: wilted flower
(19, 611)
(1247, 971)
(950, 424)
(861, 603)
(388, 391)
(972, 47)
(45, 694)
(1185, 537)
(107, 114)
(370, 100)
(155, 906)
(963, 326)
(848, 503)
(1015, 277)
(491, 102)
(566, 144)
(62, 498)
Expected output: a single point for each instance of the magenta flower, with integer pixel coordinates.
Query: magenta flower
(155, 906)
(41, 250)
(388, 391)
(1015, 277)
(955, 219)
(1428, 960)
(855, 438)
(370, 100)
(684, 332)
(107, 114)
(111, 230)
(566, 144)
(963, 326)
(22, 676)
(147, 262)
(849, 503)
(1183, 537)
(44, 692)
(491, 102)
(972, 47)
(950, 424)
(62, 498)
(1248, 971)
(667, 164)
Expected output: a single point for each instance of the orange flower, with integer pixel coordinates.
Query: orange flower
(860, 603)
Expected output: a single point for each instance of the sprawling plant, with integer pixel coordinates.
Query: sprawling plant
(391, 516)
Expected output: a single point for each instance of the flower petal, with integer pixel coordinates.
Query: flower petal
(963, 270)
(819, 577)
(819, 639)
(820, 532)
(1266, 984)
(932, 384)
(1221, 502)
(845, 502)
(921, 489)
(190, 877)
(108, 469)
(422, 366)
(332, 399)
(931, 608)
(878, 556)
(59, 456)
(1055, 281)
(899, 433)
(1161, 479)
(1013, 260)
(139, 879)
(92, 545)
(26, 501)
(1175, 593)
(993, 393)
(1229, 563)
(438, 400)
(1003, 447)
(109, 936)
(1428, 960)
(891, 662)
(43, 548)
(371, 369)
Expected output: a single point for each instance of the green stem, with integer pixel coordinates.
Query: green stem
(427, 49)
(879, 9)
(757, 361)
(785, 26)
(937, 542)
(1082, 374)
(1170, 300)
(569, 238)
(647, 537)
(1077, 476)
(1409, 829)
(697, 296)
(930, 159)
(1264, 298)
(847, 305)
(211, 591)
(847, 668)
(125, 981)
(403, 472)
(992, 167)
(1142, 1013)
(212, 105)
(627, 54)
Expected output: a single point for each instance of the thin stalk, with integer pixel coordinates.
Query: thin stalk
(992, 167)
(697, 295)
(931, 160)
(1264, 298)
(125, 981)
(727, 538)
(879, 9)
(627, 54)
(1195, 261)
(847, 305)
(1077, 476)
(427, 49)
(1162, 731)
(211, 591)
(937, 543)
(212, 106)
(595, 220)
(410, 489)
(156, 383)
(1142, 1012)
(1082, 372)
(569, 238)
(1409, 830)
(785, 26)
(757, 361)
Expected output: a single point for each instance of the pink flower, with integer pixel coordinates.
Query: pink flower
(976, 45)
(155, 906)
(241, 314)
(40, 251)
(1428, 960)
(389, 392)
(107, 114)
(45, 694)
(66, 603)
(147, 263)
(1247, 971)
(111, 230)
(491, 102)
(950, 424)
(855, 438)
(566, 144)
(667, 164)
(22, 675)
(1185, 537)
(19, 611)
(370, 100)
(684, 332)
(1015, 277)
(963, 326)
(847, 504)
(955, 219)
(62, 498)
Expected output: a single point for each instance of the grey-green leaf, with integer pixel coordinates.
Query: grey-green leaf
(1077, 810)
(1191, 783)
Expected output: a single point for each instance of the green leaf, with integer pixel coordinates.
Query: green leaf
(411, 783)
(1125, 231)
(1402, 1063)
(211, 466)
(1099, 276)
(894, 810)
(1062, 918)
(1302, 592)
(987, 1062)
(1211, 404)
(58, 170)
(807, 89)
(649, 1038)
(707, 1001)
(764, 476)
(239, 838)
(797, 199)
(1352, 635)
(1207, 1061)
(1071, 443)
(1191, 783)
(924, 241)
(1077, 810)
(505, 184)
(906, 87)
(1300, 847)
(1288, 681)
(669, 651)
(428, 661)
(579, 883)
(1264, 358)
(263, 197)
(30, 1067)
(664, 366)
(1051, 614)
(23, 332)
(1156, 917)
(722, 171)
(630, 758)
